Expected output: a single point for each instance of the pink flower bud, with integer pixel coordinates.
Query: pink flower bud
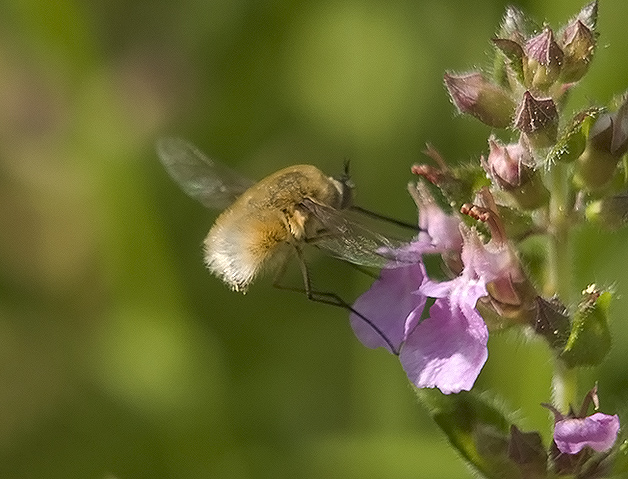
(509, 165)
(474, 94)
(512, 169)
(544, 60)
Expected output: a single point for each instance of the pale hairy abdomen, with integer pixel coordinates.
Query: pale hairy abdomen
(266, 223)
(238, 247)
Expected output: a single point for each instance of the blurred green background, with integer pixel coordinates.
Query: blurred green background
(120, 356)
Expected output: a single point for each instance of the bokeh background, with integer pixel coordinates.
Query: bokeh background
(120, 356)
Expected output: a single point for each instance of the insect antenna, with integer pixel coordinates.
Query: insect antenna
(325, 297)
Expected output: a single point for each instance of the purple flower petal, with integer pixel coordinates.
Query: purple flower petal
(388, 304)
(434, 289)
(448, 349)
(598, 431)
(440, 231)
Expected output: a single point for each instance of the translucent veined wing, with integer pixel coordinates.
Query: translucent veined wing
(213, 184)
(350, 241)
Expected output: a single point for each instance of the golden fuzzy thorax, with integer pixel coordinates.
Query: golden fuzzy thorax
(266, 222)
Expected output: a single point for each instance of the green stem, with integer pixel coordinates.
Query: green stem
(564, 382)
(564, 386)
(559, 260)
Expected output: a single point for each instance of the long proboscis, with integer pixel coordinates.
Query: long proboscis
(388, 219)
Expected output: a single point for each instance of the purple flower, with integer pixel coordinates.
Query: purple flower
(509, 166)
(598, 431)
(575, 431)
(440, 232)
(392, 305)
(446, 350)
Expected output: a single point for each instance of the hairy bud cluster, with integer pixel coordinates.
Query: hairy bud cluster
(535, 66)
(544, 176)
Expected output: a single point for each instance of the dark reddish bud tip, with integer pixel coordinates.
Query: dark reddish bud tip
(545, 59)
(538, 119)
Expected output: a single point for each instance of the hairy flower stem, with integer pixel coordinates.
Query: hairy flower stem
(559, 259)
(564, 386)
(564, 382)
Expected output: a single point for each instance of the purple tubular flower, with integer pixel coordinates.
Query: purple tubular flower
(440, 232)
(391, 305)
(448, 349)
(598, 431)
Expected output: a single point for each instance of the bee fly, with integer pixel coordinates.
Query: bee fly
(264, 223)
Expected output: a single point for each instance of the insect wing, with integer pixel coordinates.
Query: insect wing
(213, 184)
(350, 241)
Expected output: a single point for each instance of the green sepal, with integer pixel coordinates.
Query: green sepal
(610, 213)
(481, 432)
(527, 451)
(471, 178)
(532, 194)
(513, 56)
(518, 223)
(590, 338)
(572, 140)
(620, 459)
(517, 24)
(458, 186)
(552, 322)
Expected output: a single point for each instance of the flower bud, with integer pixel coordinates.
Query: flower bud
(578, 41)
(578, 44)
(607, 143)
(609, 213)
(538, 119)
(516, 25)
(544, 60)
(588, 15)
(474, 94)
(590, 339)
(511, 167)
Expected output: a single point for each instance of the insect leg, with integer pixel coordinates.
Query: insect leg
(327, 297)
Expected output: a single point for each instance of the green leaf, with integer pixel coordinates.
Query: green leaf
(514, 55)
(620, 461)
(478, 429)
(590, 338)
(527, 451)
(572, 140)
